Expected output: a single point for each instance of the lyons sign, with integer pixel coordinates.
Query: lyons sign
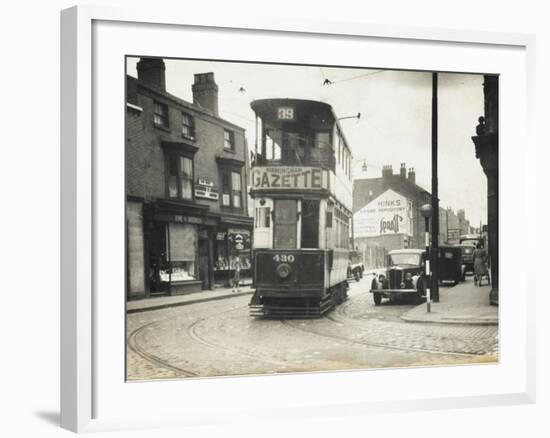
(390, 213)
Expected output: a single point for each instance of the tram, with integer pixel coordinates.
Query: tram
(301, 187)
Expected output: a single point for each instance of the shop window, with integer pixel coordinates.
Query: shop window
(180, 176)
(160, 114)
(182, 245)
(228, 140)
(187, 126)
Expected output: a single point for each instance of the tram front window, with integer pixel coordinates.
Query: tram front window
(310, 224)
(285, 227)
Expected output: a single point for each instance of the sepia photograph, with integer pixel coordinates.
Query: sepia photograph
(285, 218)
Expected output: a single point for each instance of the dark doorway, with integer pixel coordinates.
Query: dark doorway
(204, 265)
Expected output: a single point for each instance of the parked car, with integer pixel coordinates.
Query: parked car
(356, 266)
(404, 276)
(467, 256)
(451, 267)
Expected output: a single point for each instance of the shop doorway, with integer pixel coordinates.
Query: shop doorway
(204, 265)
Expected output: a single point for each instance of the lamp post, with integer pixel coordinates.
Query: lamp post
(426, 211)
(435, 196)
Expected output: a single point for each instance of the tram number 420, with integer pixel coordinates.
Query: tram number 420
(284, 258)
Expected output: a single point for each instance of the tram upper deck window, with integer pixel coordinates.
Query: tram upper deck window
(273, 144)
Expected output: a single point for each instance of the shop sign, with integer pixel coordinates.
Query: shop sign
(205, 189)
(240, 238)
(390, 213)
(284, 178)
(184, 219)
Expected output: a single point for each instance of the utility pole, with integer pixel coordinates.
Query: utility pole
(435, 197)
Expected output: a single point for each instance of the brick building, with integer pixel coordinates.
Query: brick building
(386, 214)
(186, 179)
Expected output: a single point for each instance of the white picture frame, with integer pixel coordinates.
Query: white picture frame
(91, 387)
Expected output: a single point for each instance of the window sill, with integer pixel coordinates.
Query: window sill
(161, 128)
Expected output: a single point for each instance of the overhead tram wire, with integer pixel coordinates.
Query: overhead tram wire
(327, 81)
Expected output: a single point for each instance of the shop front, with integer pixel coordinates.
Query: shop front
(232, 249)
(179, 250)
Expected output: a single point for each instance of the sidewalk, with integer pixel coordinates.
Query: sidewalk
(182, 300)
(461, 304)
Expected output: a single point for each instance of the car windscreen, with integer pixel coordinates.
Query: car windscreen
(405, 259)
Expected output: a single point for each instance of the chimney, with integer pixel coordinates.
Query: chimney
(205, 92)
(403, 170)
(412, 175)
(152, 72)
(387, 171)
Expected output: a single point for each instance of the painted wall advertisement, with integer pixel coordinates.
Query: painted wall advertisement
(389, 213)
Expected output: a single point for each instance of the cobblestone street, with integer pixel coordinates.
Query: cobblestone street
(219, 338)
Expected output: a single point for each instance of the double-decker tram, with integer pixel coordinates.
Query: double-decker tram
(302, 195)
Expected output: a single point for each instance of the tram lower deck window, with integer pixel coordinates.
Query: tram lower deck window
(310, 224)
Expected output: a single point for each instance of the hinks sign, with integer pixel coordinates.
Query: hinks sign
(282, 178)
(390, 213)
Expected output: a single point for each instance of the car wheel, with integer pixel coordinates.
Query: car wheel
(377, 298)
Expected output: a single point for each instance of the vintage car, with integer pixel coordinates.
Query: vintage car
(404, 276)
(451, 267)
(467, 256)
(356, 266)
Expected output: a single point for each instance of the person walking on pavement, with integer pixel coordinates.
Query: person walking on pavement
(237, 275)
(480, 265)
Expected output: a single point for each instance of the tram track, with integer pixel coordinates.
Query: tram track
(134, 345)
(375, 344)
(192, 331)
(340, 315)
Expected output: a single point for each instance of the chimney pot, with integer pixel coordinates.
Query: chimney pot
(205, 92)
(387, 170)
(412, 175)
(152, 72)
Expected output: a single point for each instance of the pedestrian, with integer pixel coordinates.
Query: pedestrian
(480, 264)
(236, 274)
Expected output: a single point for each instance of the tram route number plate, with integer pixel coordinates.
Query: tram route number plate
(286, 113)
(284, 258)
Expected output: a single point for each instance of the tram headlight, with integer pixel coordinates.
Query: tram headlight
(283, 271)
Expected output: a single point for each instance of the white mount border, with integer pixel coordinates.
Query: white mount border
(77, 197)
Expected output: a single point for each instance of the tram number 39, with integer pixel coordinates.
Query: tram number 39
(284, 258)
(285, 113)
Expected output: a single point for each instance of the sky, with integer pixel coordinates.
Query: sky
(395, 122)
